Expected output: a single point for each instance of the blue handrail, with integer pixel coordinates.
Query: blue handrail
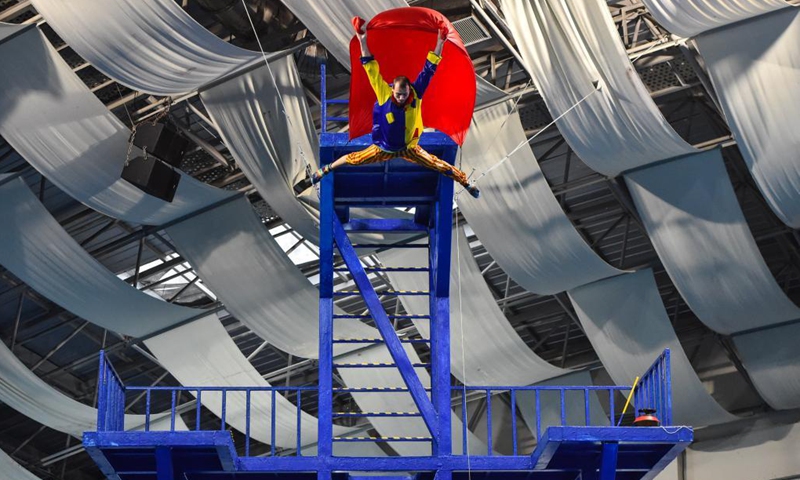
(324, 101)
(653, 391)
(110, 398)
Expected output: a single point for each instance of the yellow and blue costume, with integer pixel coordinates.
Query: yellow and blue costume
(396, 128)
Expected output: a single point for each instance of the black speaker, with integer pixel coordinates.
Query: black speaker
(152, 176)
(162, 141)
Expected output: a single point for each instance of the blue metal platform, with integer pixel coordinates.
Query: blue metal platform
(563, 452)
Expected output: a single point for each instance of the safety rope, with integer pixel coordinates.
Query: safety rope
(309, 167)
(464, 420)
(531, 138)
(597, 88)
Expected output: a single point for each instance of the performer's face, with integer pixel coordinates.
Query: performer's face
(400, 93)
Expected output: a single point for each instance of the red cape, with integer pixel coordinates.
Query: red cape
(400, 40)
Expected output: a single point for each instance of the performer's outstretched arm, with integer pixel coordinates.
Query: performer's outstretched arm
(381, 88)
(434, 57)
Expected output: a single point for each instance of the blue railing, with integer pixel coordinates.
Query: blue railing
(110, 398)
(652, 392)
(556, 415)
(324, 118)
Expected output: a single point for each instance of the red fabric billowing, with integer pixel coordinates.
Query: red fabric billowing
(400, 40)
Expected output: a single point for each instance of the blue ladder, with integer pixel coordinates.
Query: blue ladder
(385, 187)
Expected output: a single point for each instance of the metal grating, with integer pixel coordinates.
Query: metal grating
(471, 31)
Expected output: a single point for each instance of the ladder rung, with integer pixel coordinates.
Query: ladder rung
(391, 317)
(346, 293)
(382, 439)
(377, 340)
(375, 414)
(375, 365)
(390, 245)
(388, 269)
(373, 389)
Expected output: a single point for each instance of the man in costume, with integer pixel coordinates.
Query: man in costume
(397, 117)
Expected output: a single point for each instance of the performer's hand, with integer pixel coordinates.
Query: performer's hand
(358, 25)
(444, 30)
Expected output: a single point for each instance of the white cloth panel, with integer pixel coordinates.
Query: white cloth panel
(493, 351)
(398, 402)
(690, 211)
(28, 394)
(755, 69)
(567, 45)
(329, 21)
(625, 321)
(268, 143)
(518, 219)
(152, 46)
(13, 470)
(202, 354)
(9, 30)
(761, 449)
(688, 18)
(49, 116)
(35, 248)
(772, 360)
(550, 404)
(230, 248)
(69, 276)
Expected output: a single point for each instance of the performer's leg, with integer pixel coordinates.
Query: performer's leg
(418, 155)
(371, 154)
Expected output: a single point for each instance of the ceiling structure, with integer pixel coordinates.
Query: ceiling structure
(63, 349)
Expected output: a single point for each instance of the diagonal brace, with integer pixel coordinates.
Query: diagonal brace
(385, 327)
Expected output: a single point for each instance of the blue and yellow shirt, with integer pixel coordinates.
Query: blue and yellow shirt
(395, 126)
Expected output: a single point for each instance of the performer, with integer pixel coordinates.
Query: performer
(397, 117)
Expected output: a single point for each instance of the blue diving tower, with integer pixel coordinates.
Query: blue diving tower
(238, 449)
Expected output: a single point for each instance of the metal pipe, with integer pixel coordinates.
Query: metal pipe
(500, 35)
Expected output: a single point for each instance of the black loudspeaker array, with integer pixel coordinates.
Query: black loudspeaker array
(156, 172)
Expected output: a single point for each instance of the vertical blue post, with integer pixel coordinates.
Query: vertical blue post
(608, 461)
(667, 414)
(325, 426)
(323, 94)
(440, 251)
(164, 468)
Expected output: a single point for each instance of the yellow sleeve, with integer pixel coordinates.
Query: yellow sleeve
(382, 89)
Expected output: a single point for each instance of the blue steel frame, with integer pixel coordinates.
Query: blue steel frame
(434, 219)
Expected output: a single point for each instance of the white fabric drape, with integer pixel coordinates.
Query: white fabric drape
(35, 248)
(211, 358)
(329, 21)
(492, 351)
(152, 46)
(625, 321)
(690, 211)
(49, 116)
(688, 18)
(270, 140)
(517, 218)
(752, 449)
(750, 50)
(230, 248)
(28, 394)
(568, 45)
(773, 363)
(755, 69)
(72, 278)
(13, 470)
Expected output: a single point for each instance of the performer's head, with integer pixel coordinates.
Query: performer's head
(401, 89)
